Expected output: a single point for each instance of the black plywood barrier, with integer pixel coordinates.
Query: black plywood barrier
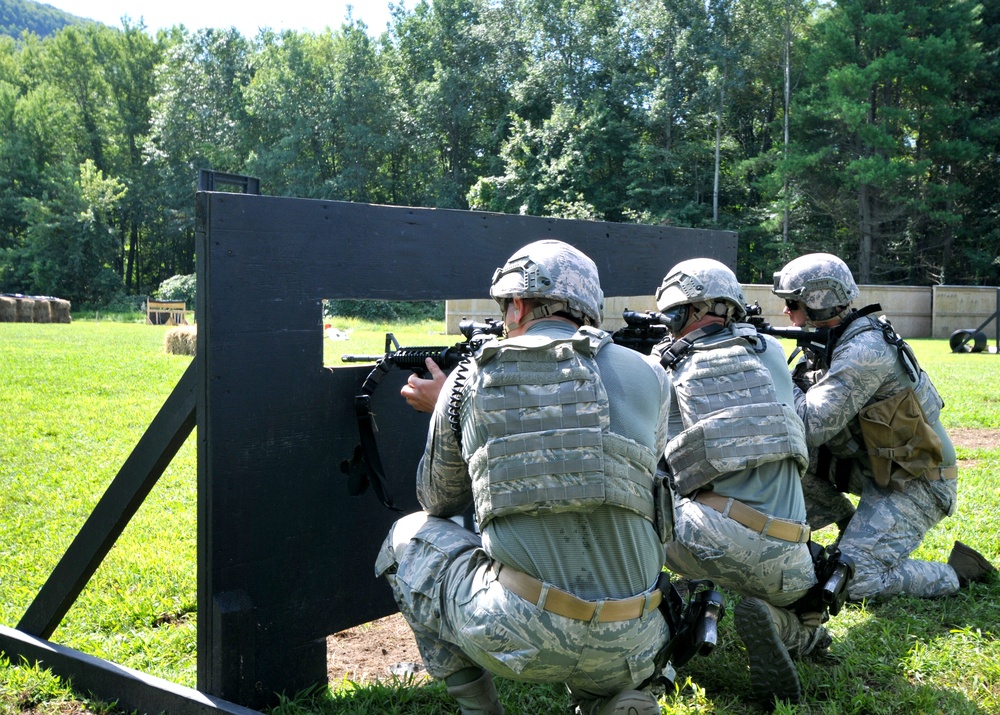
(285, 554)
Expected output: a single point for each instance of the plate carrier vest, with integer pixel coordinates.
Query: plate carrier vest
(548, 444)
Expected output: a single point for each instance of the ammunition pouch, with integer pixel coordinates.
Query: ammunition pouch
(663, 506)
(901, 444)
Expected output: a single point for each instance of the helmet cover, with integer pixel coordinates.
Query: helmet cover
(553, 271)
(822, 282)
(702, 280)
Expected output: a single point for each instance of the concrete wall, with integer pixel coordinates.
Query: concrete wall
(961, 307)
(915, 312)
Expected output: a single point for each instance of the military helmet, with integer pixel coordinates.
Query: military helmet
(552, 271)
(820, 281)
(702, 280)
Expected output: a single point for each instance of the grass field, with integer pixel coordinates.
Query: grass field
(76, 398)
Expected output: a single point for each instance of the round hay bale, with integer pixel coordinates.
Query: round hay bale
(8, 309)
(41, 311)
(181, 340)
(25, 310)
(60, 311)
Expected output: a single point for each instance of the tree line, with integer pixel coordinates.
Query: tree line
(865, 128)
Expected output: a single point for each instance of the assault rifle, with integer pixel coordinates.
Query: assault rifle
(814, 339)
(642, 331)
(415, 358)
(366, 465)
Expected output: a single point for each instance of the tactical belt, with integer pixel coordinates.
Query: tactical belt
(935, 473)
(754, 520)
(566, 604)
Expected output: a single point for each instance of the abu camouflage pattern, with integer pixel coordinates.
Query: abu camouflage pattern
(536, 432)
(887, 526)
(442, 578)
(889, 523)
(462, 617)
(700, 280)
(821, 281)
(552, 271)
(709, 545)
(732, 419)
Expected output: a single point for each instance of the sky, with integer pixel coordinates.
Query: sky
(247, 17)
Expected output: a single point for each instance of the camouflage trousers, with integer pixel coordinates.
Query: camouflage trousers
(826, 505)
(886, 528)
(709, 545)
(463, 617)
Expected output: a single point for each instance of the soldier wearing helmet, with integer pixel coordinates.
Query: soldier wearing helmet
(735, 453)
(552, 434)
(872, 419)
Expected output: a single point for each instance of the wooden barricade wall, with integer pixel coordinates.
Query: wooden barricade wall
(285, 554)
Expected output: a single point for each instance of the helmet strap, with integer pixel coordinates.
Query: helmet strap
(542, 311)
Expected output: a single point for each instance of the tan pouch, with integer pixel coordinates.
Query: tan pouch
(901, 443)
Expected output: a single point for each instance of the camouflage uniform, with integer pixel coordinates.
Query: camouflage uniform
(445, 580)
(889, 522)
(736, 444)
(862, 369)
(708, 544)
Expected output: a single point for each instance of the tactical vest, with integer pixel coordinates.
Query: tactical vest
(906, 364)
(896, 425)
(536, 432)
(730, 412)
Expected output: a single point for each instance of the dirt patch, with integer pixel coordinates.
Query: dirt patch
(374, 650)
(975, 438)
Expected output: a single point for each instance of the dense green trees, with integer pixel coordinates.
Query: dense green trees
(869, 128)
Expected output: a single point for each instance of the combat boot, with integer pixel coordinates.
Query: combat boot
(772, 671)
(969, 564)
(478, 697)
(627, 702)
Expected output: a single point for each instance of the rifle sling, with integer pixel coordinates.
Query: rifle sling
(366, 430)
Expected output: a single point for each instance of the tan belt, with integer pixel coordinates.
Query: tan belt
(566, 604)
(755, 520)
(936, 473)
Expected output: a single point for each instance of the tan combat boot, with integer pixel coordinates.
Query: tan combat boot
(478, 697)
(969, 564)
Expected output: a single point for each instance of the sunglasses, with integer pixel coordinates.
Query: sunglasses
(793, 304)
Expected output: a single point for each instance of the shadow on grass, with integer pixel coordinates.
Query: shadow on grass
(899, 657)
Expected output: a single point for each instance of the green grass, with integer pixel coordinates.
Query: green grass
(76, 398)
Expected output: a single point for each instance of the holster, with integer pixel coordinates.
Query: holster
(834, 570)
(694, 626)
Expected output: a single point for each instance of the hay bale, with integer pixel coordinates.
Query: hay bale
(25, 310)
(181, 340)
(41, 311)
(60, 310)
(8, 309)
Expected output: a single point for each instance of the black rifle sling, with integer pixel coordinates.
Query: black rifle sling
(366, 429)
(838, 330)
(679, 348)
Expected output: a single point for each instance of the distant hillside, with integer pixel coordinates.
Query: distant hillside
(41, 19)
